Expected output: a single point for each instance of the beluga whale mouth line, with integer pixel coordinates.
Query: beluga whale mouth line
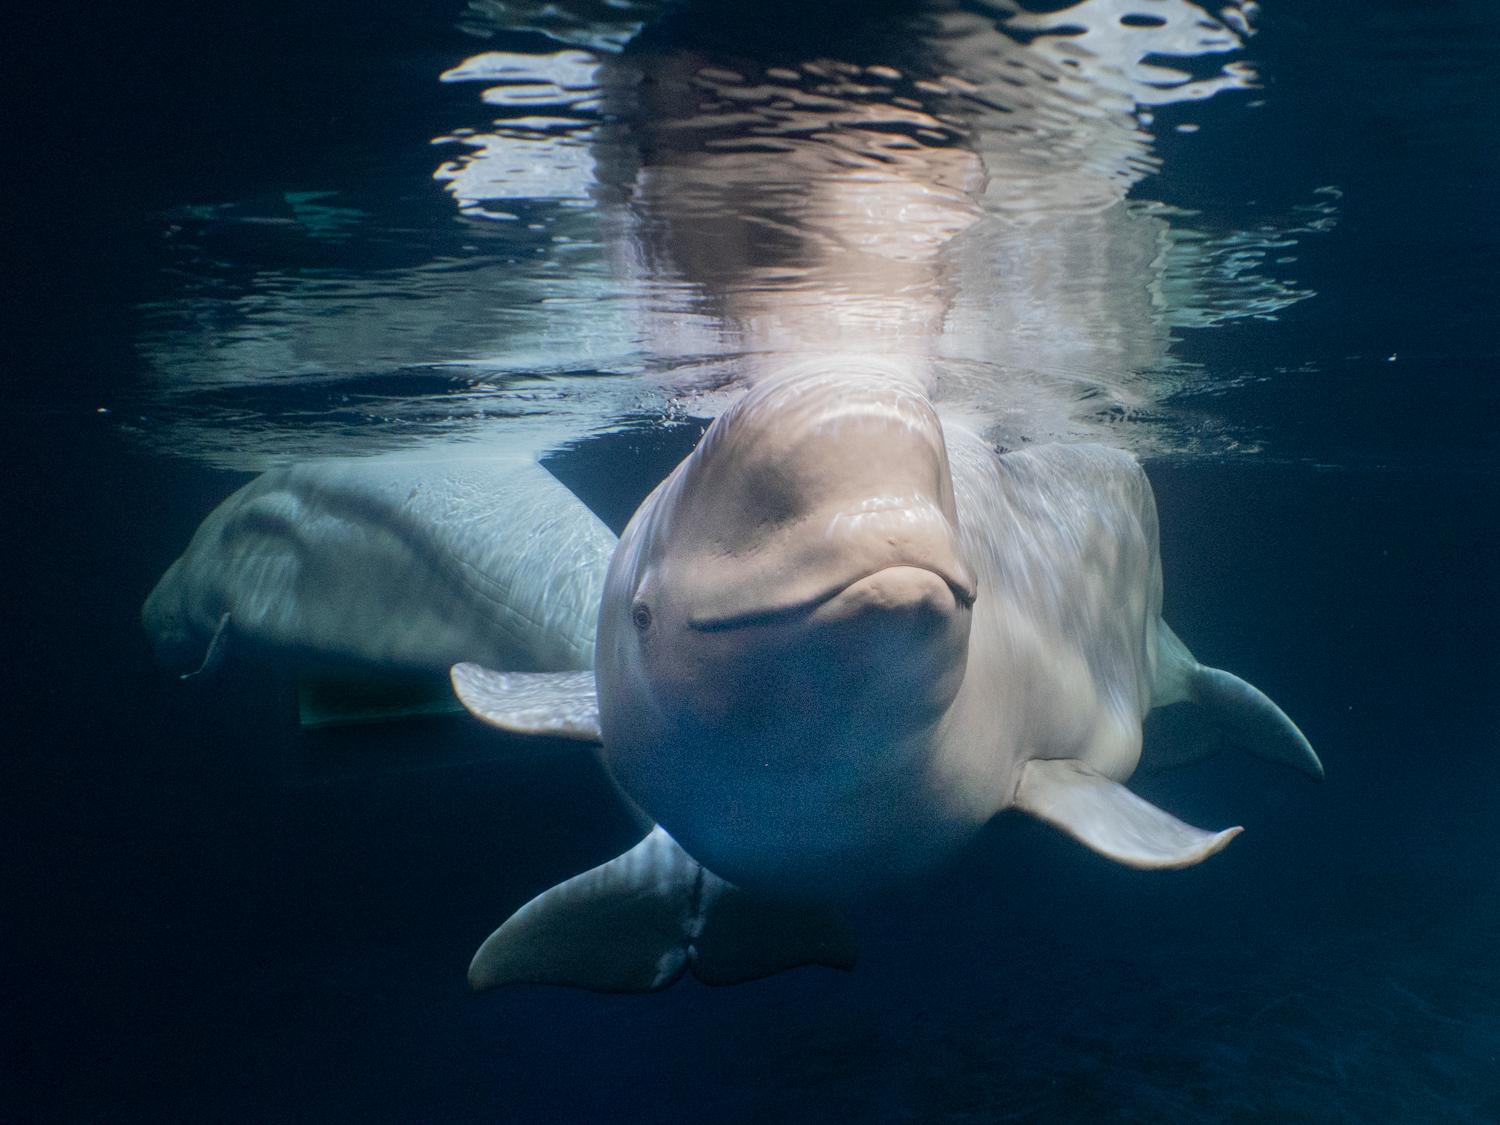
(961, 587)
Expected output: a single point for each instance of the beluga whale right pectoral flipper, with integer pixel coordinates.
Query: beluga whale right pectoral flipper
(640, 921)
(559, 704)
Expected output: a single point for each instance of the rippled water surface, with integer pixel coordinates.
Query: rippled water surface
(648, 206)
(1253, 245)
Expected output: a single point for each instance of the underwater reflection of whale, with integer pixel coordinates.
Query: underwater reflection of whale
(838, 639)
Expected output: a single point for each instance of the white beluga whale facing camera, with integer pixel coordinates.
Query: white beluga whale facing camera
(846, 631)
(833, 643)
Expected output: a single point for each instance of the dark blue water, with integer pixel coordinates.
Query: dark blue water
(212, 915)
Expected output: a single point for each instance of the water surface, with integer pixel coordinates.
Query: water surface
(274, 234)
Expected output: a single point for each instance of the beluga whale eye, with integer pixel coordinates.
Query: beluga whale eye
(640, 616)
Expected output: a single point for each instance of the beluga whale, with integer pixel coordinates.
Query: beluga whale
(837, 640)
(895, 591)
(889, 595)
(368, 578)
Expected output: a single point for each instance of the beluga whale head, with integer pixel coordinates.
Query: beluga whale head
(784, 625)
(833, 644)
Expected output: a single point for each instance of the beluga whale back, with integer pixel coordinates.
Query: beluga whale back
(387, 570)
(840, 637)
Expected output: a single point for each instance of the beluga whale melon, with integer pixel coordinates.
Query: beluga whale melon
(839, 638)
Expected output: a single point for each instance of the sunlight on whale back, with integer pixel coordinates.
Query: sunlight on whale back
(662, 203)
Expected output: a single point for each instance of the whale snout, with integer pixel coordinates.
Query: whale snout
(902, 592)
(828, 563)
(884, 651)
(891, 646)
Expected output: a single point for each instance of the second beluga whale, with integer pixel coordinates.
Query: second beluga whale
(368, 578)
(840, 637)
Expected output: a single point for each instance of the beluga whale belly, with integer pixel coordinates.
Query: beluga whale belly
(833, 643)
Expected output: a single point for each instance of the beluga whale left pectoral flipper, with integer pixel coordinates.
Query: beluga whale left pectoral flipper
(640, 921)
(1107, 817)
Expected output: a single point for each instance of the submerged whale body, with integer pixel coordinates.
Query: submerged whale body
(395, 565)
(833, 643)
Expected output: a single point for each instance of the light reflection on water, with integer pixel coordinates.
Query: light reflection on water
(656, 205)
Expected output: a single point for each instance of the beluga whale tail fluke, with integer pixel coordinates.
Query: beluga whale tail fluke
(1243, 714)
(642, 920)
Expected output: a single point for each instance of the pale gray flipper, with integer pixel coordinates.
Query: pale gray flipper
(1110, 819)
(1249, 719)
(559, 704)
(638, 922)
(218, 644)
(1244, 713)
